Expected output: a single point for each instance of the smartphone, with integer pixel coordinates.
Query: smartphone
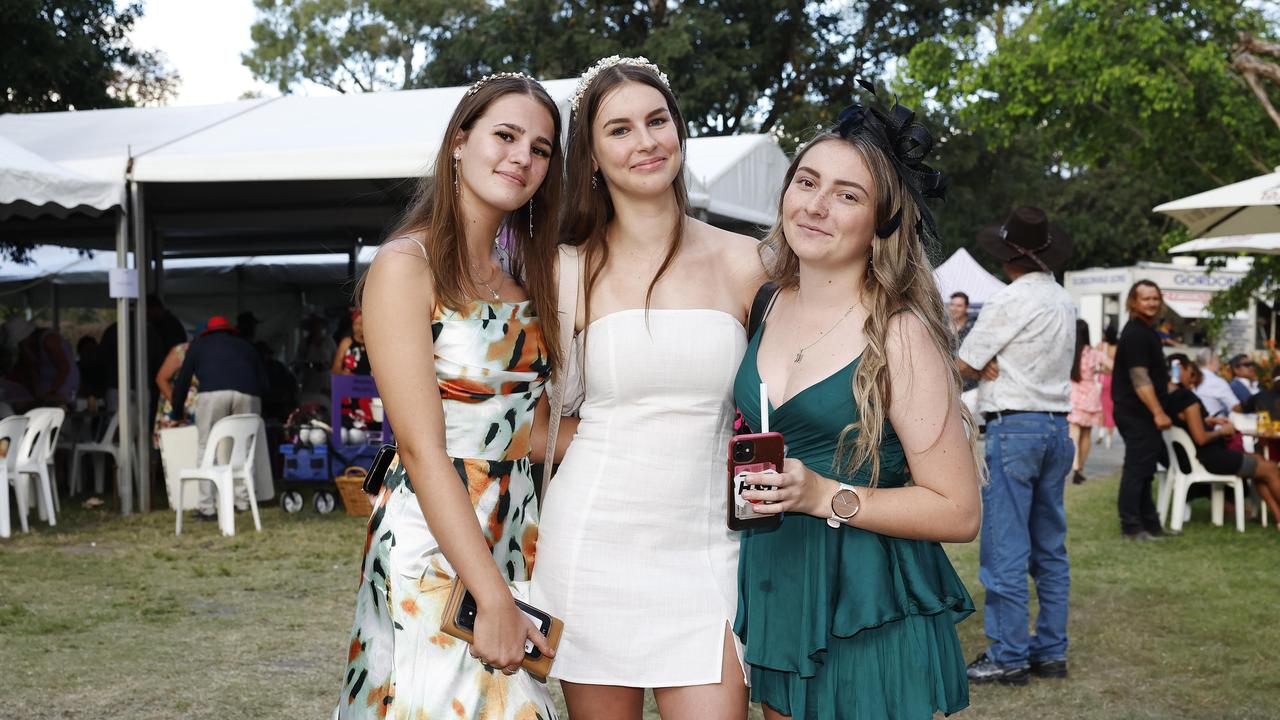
(1175, 372)
(466, 619)
(752, 453)
(378, 470)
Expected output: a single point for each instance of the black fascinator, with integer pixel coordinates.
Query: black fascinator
(907, 143)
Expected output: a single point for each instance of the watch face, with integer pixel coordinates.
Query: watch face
(845, 503)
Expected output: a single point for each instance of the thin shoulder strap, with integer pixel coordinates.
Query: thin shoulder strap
(567, 311)
(760, 307)
(421, 247)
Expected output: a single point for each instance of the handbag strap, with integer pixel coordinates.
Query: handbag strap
(760, 307)
(567, 310)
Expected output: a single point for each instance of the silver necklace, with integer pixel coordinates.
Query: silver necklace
(486, 285)
(800, 355)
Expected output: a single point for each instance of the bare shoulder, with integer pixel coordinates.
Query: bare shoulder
(400, 269)
(731, 246)
(738, 254)
(909, 339)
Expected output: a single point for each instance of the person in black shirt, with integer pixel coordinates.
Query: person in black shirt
(1210, 435)
(232, 381)
(167, 326)
(1139, 385)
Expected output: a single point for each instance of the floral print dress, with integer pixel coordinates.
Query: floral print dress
(491, 366)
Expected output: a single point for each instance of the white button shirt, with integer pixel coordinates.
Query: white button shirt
(1029, 327)
(1216, 394)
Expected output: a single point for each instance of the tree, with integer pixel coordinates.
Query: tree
(737, 65)
(1100, 108)
(1245, 61)
(351, 45)
(75, 55)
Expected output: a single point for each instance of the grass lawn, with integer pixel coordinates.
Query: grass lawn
(103, 617)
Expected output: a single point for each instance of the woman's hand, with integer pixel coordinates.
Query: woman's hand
(795, 489)
(500, 635)
(1226, 429)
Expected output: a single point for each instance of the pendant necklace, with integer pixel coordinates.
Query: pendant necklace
(800, 355)
(488, 287)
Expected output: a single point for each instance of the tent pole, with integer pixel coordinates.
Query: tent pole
(57, 314)
(125, 463)
(158, 252)
(142, 367)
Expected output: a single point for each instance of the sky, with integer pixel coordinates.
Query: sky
(203, 40)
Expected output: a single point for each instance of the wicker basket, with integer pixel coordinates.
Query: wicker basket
(351, 486)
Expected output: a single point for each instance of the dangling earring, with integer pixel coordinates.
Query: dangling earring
(530, 219)
(456, 158)
(594, 183)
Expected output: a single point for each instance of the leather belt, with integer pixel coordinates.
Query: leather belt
(989, 416)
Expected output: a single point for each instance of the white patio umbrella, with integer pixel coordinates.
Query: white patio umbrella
(31, 186)
(1250, 207)
(1265, 244)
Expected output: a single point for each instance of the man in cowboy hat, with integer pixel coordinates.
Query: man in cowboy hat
(1020, 348)
(232, 381)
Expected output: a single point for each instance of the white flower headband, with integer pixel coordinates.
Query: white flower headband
(497, 76)
(604, 64)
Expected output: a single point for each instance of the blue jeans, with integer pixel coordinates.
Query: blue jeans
(1024, 529)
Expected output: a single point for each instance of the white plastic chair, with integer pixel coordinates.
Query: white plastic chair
(109, 445)
(57, 416)
(1173, 492)
(178, 448)
(33, 460)
(242, 431)
(12, 429)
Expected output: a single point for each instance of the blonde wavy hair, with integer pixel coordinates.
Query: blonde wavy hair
(899, 279)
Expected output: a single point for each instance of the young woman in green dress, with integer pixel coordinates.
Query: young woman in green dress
(848, 607)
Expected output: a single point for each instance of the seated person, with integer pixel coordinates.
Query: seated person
(1265, 400)
(1210, 435)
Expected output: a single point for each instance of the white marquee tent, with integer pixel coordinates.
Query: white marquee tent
(31, 187)
(961, 273)
(738, 176)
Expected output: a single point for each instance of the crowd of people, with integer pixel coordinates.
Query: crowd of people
(647, 306)
(218, 370)
(846, 606)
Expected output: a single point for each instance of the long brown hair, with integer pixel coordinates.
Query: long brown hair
(1082, 341)
(1131, 300)
(437, 214)
(586, 218)
(899, 278)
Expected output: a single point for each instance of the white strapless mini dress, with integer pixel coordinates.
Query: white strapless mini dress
(633, 550)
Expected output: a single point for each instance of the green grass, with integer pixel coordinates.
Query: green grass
(103, 617)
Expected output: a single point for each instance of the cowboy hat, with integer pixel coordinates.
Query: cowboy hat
(1028, 240)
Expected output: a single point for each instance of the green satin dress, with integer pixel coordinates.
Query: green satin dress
(844, 623)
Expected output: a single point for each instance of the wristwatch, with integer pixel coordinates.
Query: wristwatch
(844, 505)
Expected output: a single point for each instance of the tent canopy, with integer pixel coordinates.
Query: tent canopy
(1250, 207)
(961, 273)
(31, 187)
(738, 176)
(1265, 244)
(305, 174)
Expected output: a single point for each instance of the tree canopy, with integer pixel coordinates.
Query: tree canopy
(1098, 110)
(75, 55)
(737, 65)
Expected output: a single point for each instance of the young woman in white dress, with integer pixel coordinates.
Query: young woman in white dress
(634, 553)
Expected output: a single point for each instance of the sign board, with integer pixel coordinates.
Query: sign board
(122, 283)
